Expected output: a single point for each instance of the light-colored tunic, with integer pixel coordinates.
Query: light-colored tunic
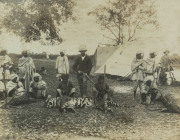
(5, 61)
(152, 72)
(41, 86)
(26, 65)
(11, 85)
(62, 65)
(138, 68)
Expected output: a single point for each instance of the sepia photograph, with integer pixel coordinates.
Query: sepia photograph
(89, 69)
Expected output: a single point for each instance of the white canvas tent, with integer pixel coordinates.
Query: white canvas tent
(101, 55)
(120, 62)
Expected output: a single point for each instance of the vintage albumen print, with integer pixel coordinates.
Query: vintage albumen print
(89, 69)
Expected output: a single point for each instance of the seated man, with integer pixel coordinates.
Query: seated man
(65, 91)
(14, 86)
(15, 91)
(65, 87)
(102, 94)
(37, 88)
(2, 91)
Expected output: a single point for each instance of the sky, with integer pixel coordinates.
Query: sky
(87, 32)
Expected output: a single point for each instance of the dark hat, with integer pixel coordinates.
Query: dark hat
(152, 54)
(3, 52)
(24, 52)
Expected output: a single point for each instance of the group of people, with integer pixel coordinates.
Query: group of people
(146, 74)
(26, 80)
(21, 81)
(82, 67)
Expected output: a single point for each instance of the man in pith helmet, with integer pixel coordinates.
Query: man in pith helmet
(82, 66)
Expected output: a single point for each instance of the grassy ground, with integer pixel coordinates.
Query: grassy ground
(33, 121)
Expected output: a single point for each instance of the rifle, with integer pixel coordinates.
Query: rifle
(104, 84)
(130, 73)
(87, 77)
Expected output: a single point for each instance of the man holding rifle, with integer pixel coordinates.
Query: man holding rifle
(82, 66)
(151, 79)
(138, 67)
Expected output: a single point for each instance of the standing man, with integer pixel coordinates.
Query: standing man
(26, 69)
(166, 62)
(138, 67)
(82, 66)
(62, 64)
(151, 79)
(166, 67)
(6, 65)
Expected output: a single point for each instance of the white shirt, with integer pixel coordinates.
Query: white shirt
(82, 57)
(62, 64)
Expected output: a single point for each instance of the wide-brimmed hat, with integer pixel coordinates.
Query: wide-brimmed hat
(82, 48)
(166, 51)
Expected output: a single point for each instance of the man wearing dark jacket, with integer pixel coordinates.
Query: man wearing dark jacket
(82, 66)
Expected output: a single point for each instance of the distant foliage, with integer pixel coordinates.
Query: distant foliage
(175, 58)
(30, 19)
(122, 18)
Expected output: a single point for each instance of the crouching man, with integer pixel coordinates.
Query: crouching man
(14, 86)
(15, 90)
(65, 87)
(65, 91)
(102, 94)
(38, 87)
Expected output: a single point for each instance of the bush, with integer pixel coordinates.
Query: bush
(175, 59)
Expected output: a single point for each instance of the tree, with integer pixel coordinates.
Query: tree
(29, 19)
(122, 18)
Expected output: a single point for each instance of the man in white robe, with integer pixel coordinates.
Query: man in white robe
(62, 64)
(5, 65)
(26, 69)
(14, 86)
